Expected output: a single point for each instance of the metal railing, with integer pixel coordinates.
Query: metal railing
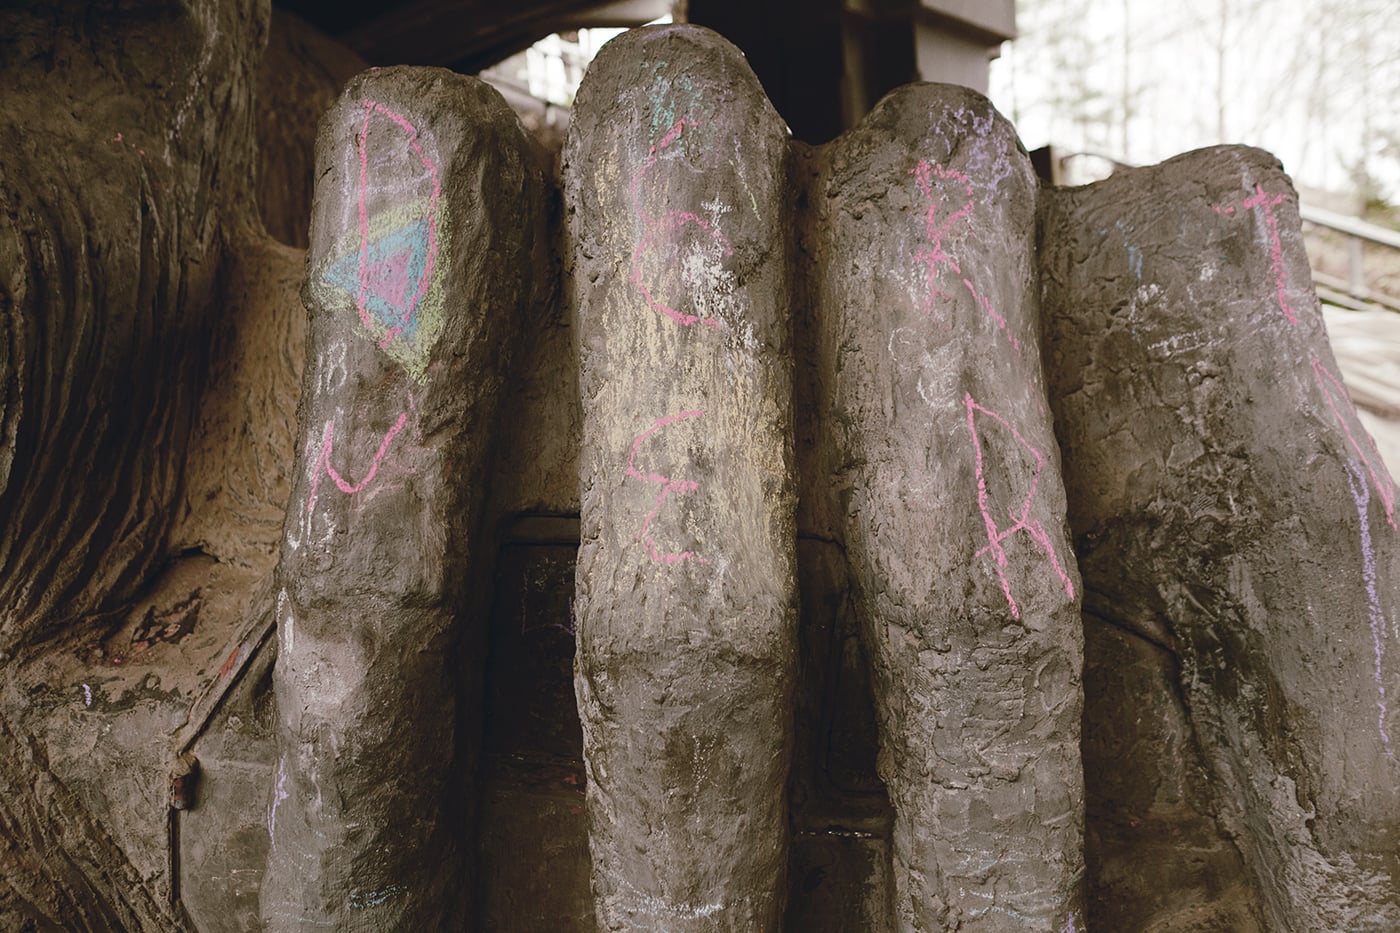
(1352, 291)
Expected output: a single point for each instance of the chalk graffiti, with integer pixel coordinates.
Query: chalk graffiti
(331, 369)
(392, 266)
(279, 794)
(230, 663)
(365, 900)
(1134, 253)
(120, 139)
(670, 99)
(700, 265)
(1339, 402)
(989, 155)
(1020, 522)
(935, 258)
(1361, 496)
(324, 466)
(668, 486)
(286, 622)
(1265, 204)
(651, 905)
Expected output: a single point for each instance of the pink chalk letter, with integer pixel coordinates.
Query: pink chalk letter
(1021, 521)
(323, 463)
(1266, 204)
(934, 257)
(668, 486)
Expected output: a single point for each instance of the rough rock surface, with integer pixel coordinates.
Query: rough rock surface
(678, 220)
(1227, 504)
(124, 199)
(106, 314)
(921, 244)
(1233, 524)
(301, 75)
(425, 231)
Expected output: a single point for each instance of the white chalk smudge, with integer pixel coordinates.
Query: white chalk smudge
(279, 794)
(653, 906)
(286, 622)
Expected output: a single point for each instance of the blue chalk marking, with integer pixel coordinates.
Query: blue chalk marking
(1134, 254)
(390, 274)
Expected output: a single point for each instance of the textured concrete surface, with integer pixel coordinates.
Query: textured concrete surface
(1232, 522)
(921, 244)
(1227, 504)
(678, 233)
(426, 228)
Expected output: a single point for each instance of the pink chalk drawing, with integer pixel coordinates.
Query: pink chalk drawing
(662, 233)
(1020, 522)
(1361, 496)
(666, 231)
(1266, 203)
(1340, 402)
(323, 462)
(389, 278)
(935, 258)
(668, 486)
(392, 266)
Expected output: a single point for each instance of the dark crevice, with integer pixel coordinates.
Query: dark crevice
(1129, 630)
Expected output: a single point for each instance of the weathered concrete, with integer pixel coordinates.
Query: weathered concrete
(1239, 654)
(1227, 504)
(1154, 854)
(678, 219)
(118, 199)
(921, 248)
(427, 224)
(124, 198)
(301, 75)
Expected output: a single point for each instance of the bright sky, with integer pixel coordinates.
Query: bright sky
(1310, 81)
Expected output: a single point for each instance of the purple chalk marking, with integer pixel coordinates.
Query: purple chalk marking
(668, 486)
(1021, 522)
(1361, 496)
(989, 156)
(1339, 401)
